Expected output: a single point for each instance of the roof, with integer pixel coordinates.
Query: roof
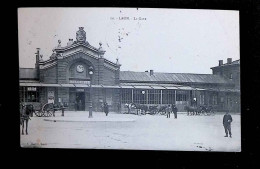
(236, 62)
(28, 73)
(130, 76)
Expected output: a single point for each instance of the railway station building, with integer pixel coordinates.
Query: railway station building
(78, 73)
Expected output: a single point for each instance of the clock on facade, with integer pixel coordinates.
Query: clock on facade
(80, 68)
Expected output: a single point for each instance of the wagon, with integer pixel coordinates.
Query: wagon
(45, 111)
(206, 110)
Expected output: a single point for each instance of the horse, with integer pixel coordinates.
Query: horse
(153, 109)
(25, 113)
(140, 108)
(162, 110)
(129, 106)
(191, 110)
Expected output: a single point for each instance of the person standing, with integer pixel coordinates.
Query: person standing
(119, 108)
(174, 110)
(168, 111)
(227, 119)
(106, 108)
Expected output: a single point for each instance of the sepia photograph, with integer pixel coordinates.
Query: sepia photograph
(129, 79)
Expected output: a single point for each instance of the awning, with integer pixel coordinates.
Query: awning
(40, 84)
(96, 86)
(81, 85)
(67, 85)
(142, 87)
(171, 87)
(50, 85)
(30, 84)
(157, 87)
(186, 88)
(113, 87)
(199, 88)
(127, 87)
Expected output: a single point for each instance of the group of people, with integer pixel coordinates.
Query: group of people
(171, 108)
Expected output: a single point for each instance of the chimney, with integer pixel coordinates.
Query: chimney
(37, 56)
(151, 72)
(37, 66)
(229, 60)
(220, 62)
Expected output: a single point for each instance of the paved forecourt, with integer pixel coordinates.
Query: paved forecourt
(128, 131)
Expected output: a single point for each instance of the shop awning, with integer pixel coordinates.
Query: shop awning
(171, 87)
(142, 87)
(67, 85)
(50, 85)
(199, 88)
(113, 87)
(30, 84)
(157, 87)
(126, 87)
(81, 85)
(186, 88)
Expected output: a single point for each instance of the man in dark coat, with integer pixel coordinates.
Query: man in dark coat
(174, 110)
(227, 119)
(106, 108)
(168, 111)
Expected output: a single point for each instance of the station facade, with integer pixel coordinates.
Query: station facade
(66, 78)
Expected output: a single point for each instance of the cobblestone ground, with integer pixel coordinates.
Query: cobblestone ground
(128, 131)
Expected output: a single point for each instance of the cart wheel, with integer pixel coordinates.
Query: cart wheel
(44, 113)
(37, 113)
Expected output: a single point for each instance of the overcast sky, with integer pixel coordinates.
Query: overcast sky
(168, 40)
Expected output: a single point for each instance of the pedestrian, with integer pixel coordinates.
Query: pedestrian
(106, 108)
(174, 110)
(168, 111)
(76, 105)
(227, 119)
(119, 108)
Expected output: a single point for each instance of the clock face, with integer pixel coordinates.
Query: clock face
(80, 68)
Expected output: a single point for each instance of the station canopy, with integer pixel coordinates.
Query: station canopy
(127, 86)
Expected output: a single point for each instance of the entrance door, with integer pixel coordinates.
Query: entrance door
(80, 101)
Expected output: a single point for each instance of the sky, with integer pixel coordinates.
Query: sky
(164, 40)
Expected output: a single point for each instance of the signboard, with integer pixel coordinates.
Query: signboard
(31, 88)
(80, 82)
(79, 90)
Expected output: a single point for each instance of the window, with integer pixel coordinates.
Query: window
(214, 100)
(229, 102)
(126, 95)
(168, 96)
(140, 96)
(154, 96)
(202, 99)
(181, 96)
(29, 94)
(221, 99)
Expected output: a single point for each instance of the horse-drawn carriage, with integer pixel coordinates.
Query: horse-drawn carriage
(200, 110)
(49, 109)
(141, 109)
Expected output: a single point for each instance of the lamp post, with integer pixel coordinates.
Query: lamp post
(90, 71)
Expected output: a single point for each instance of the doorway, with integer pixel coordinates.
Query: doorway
(80, 101)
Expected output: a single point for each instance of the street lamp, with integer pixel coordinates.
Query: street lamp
(90, 72)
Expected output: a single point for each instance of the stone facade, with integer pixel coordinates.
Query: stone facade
(61, 68)
(66, 77)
